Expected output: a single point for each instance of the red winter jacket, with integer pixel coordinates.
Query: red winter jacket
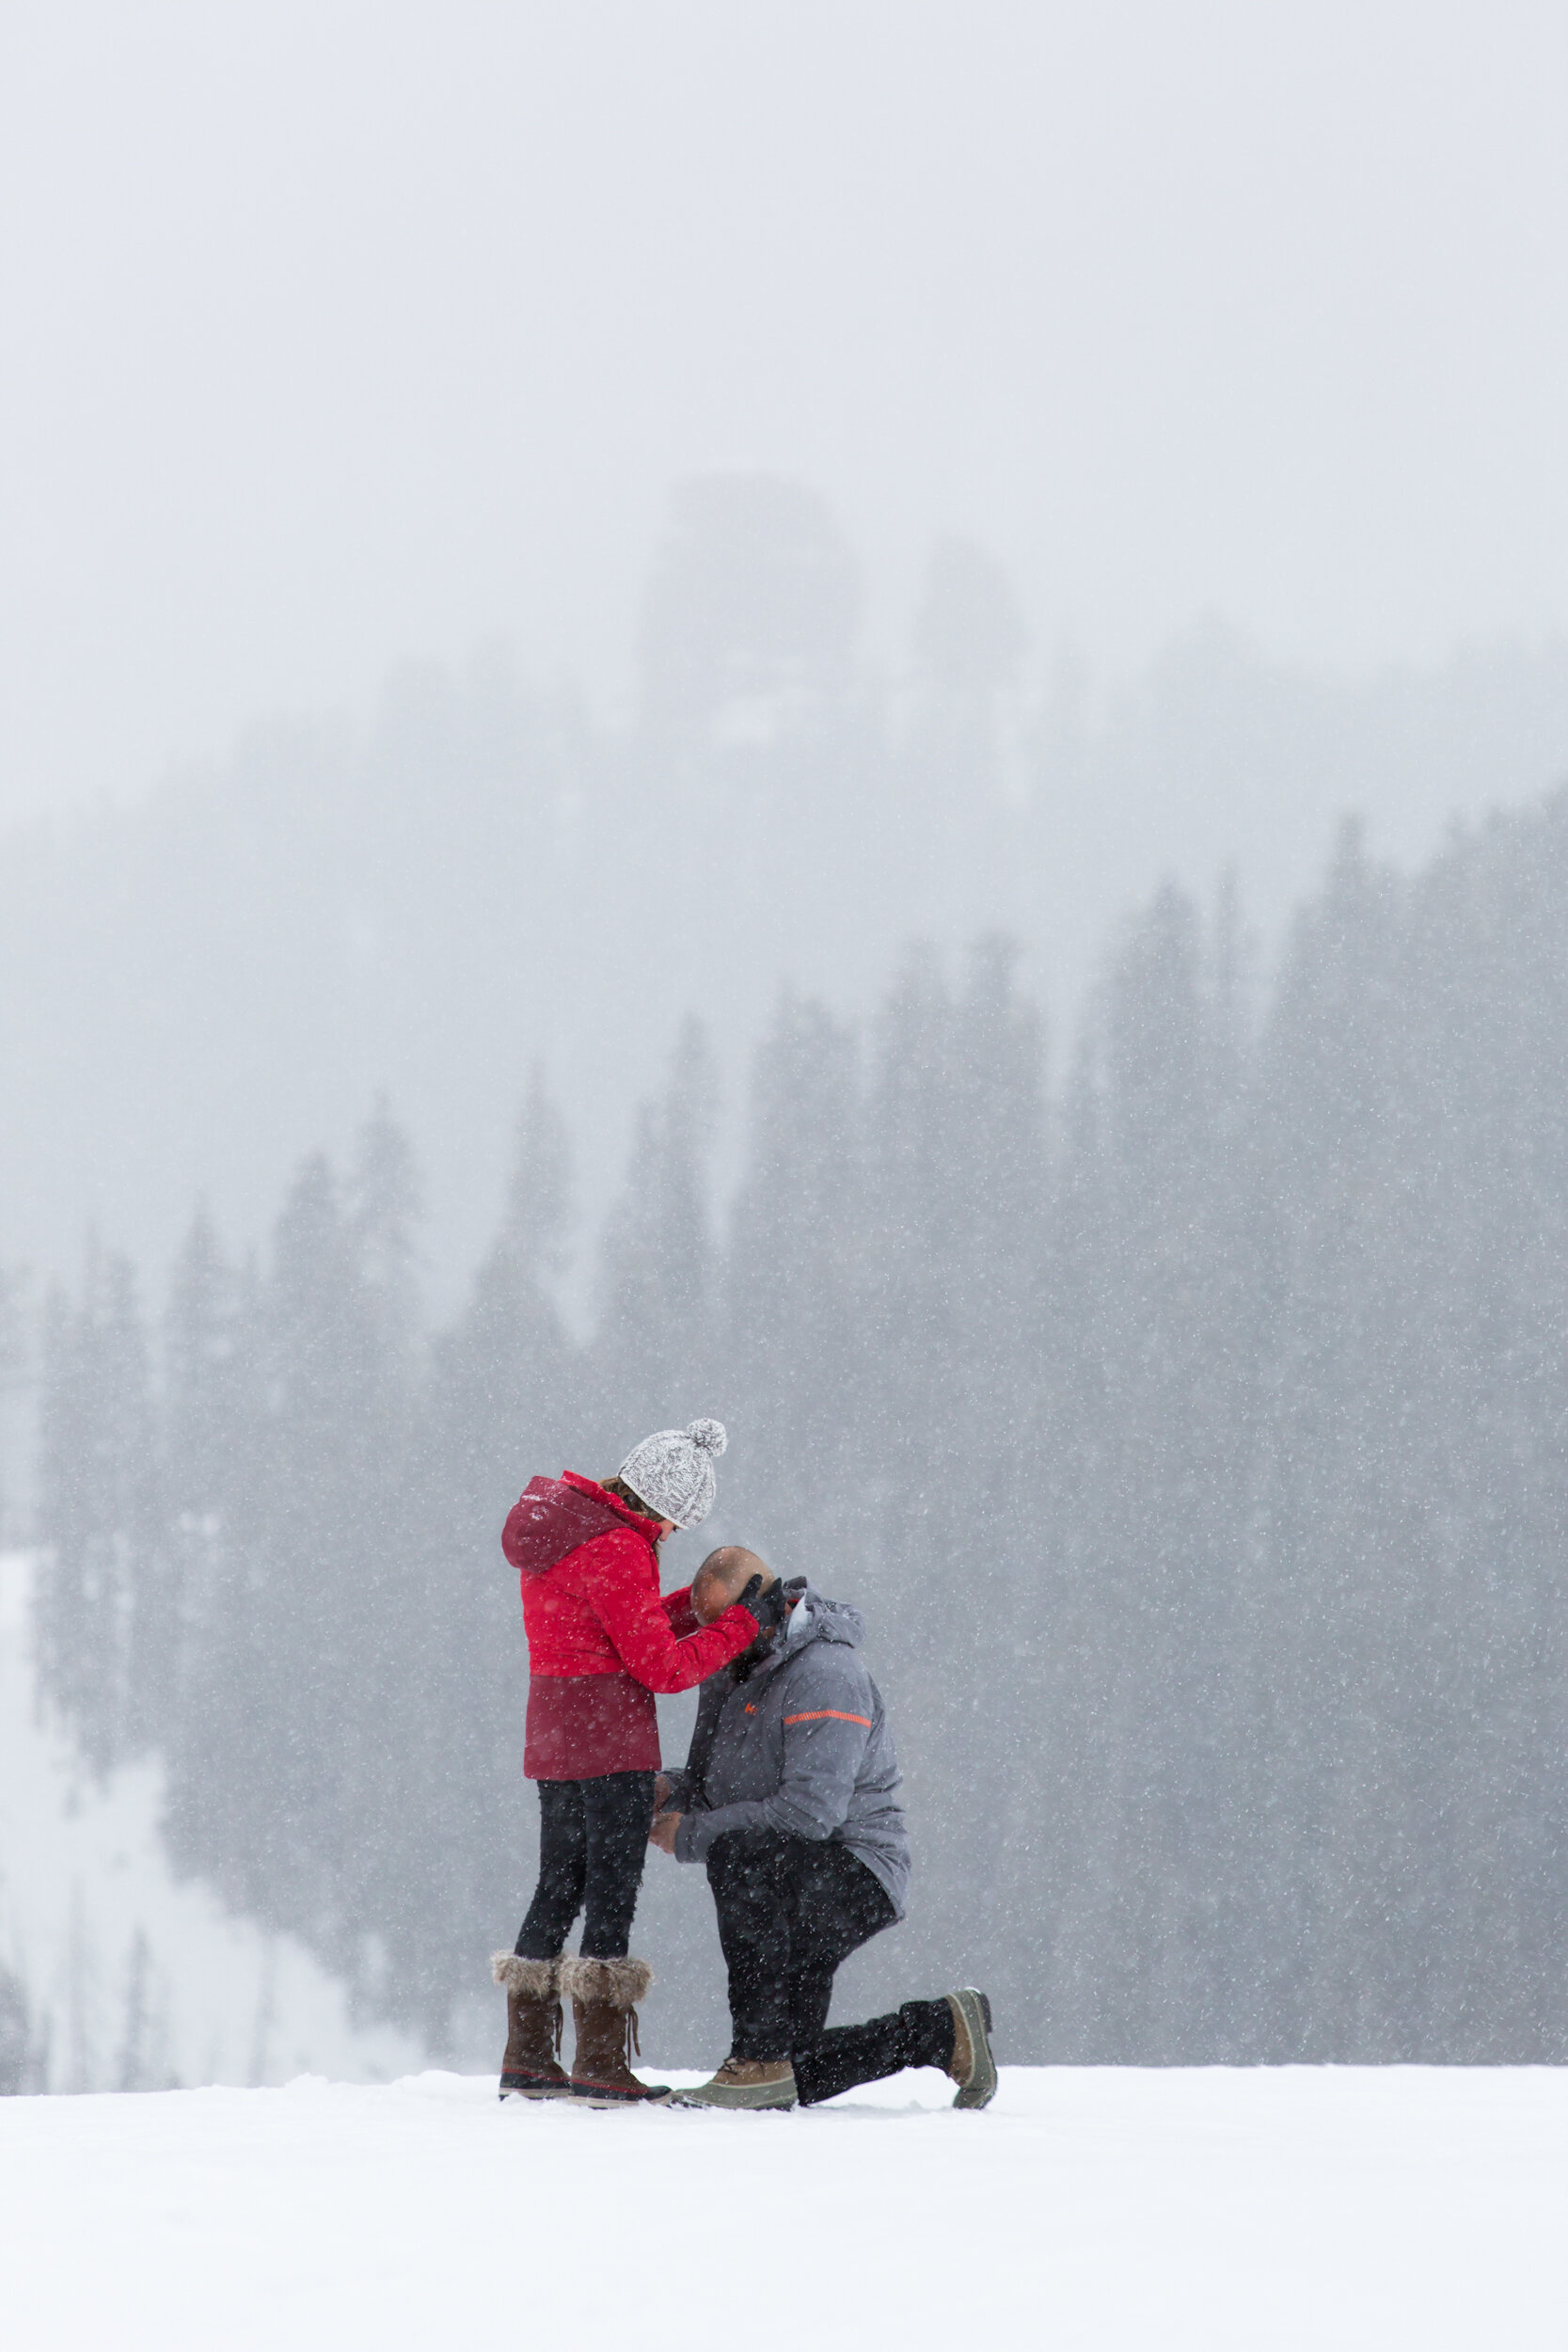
(600, 1641)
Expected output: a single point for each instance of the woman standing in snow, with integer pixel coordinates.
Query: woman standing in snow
(601, 1642)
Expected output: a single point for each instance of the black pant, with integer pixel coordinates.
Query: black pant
(790, 1910)
(922, 2033)
(593, 1840)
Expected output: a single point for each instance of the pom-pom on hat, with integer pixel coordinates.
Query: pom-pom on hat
(673, 1470)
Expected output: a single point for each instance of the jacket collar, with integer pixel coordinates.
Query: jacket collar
(650, 1530)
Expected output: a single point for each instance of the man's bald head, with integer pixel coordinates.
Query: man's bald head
(723, 1577)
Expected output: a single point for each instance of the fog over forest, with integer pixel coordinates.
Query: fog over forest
(1175, 1382)
(855, 719)
(200, 987)
(1190, 1432)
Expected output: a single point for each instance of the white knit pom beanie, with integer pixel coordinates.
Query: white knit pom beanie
(672, 1471)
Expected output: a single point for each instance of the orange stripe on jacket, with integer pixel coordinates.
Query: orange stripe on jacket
(824, 1714)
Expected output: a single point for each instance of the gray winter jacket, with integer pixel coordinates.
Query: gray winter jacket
(802, 1746)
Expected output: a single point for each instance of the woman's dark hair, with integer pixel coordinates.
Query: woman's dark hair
(623, 1493)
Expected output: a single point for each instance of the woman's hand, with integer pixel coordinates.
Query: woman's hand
(662, 1833)
(661, 1791)
(767, 1601)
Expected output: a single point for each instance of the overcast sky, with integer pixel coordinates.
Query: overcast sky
(334, 332)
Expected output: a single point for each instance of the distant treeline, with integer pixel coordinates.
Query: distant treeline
(201, 985)
(1192, 1432)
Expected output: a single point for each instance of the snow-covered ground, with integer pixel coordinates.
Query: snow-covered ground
(132, 1977)
(1334, 2209)
(1303, 2210)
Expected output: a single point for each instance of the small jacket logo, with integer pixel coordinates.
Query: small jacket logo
(750, 1708)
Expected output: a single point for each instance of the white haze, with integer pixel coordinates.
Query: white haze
(335, 333)
(521, 526)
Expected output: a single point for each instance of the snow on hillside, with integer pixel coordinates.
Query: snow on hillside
(1394, 2210)
(133, 1980)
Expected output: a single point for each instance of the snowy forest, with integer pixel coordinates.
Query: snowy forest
(203, 984)
(1185, 1405)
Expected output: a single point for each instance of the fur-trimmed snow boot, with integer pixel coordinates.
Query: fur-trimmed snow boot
(603, 1996)
(530, 2069)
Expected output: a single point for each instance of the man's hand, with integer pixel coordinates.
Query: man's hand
(661, 1791)
(662, 1833)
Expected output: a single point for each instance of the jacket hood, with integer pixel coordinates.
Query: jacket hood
(555, 1515)
(815, 1618)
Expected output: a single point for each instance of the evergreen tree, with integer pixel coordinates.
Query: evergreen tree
(22, 2053)
(384, 1210)
(793, 1373)
(14, 1369)
(505, 1376)
(284, 1700)
(505, 1403)
(654, 1346)
(1196, 1447)
(104, 1599)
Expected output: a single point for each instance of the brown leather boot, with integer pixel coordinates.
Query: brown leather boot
(529, 2069)
(604, 1994)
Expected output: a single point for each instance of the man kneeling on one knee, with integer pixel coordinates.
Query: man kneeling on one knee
(790, 1797)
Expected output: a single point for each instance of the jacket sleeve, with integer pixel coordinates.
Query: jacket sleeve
(613, 1582)
(825, 1734)
(681, 1616)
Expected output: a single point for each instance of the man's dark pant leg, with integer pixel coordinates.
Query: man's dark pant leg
(838, 1905)
(790, 1910)
(922, 2033)
(749, 1874)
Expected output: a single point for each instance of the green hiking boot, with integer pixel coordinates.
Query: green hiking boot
(973, 2067)
(745, 2083)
